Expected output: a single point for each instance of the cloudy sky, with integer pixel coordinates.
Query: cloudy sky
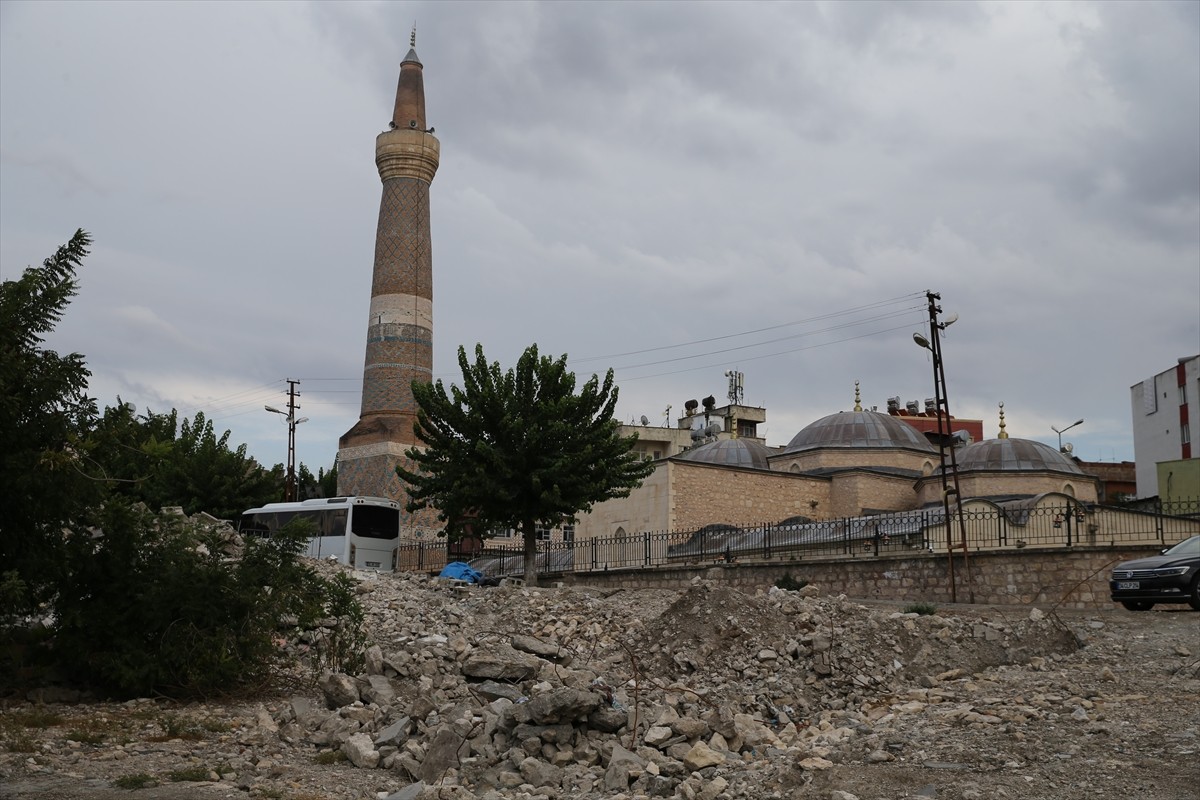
(671, 190)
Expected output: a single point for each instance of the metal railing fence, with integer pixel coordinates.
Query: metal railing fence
(987, 527)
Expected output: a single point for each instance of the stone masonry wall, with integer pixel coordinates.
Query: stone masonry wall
(1070, 578)
(720, 495)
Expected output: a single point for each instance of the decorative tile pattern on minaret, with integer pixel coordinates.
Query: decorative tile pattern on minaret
(400, 324)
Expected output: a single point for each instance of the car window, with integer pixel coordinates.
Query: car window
(1188, 547)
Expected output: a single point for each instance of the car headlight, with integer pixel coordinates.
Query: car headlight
(1168, 571)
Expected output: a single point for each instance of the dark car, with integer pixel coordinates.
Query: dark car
(1173, 577)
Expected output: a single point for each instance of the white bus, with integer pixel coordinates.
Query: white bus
(360, 531)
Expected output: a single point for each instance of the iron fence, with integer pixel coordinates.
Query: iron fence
(982, 526)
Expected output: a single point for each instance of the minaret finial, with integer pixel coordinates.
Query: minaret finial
(857, 398)
(412, 40)
(1003, 433)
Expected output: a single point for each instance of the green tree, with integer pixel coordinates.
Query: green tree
(157, 460)
(518, 449)
(45, 414)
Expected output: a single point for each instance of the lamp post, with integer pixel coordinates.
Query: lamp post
(1064, 430)
(934, 346)
(289, 416)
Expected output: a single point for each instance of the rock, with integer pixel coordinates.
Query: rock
(361, 752)
(562, 705)
(815, 764)
(538, 773)
(700, 756)
(442, 755)
(547, 650)
(395, 733)
(500, 664)
(378, 690)
(339, 690)
(410, 792)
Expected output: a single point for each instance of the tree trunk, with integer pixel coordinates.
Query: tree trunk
(529, 532)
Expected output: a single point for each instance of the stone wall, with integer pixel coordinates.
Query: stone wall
(718, 494)
(1067, 577)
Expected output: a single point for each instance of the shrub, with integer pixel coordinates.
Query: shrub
(790, 583)
(924, 609)
(153, 605)
(139, 780)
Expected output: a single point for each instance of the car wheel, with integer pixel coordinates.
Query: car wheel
(1194, 594)
(1137, 605)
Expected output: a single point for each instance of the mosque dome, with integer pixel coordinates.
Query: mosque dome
(730, 453)
(1013, 455)
(859, 429)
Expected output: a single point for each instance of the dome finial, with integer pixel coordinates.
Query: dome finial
(1003, 433)
(412, 40)
(857, 398)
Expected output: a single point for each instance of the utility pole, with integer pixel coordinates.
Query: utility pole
(946, 444)
(289, 490)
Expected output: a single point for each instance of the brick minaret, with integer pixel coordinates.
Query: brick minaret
(400, 324)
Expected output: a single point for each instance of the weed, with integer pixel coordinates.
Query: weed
(198, 773)
(138, 780)
(920, 608)
(21, 743)
(330, 757)
(86, 736)
(36, 717)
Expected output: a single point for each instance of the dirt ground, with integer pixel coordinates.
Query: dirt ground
(973, 703)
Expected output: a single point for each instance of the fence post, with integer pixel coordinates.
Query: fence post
(845, 536)
(646, 548)
(420, 556)
(1069, 519)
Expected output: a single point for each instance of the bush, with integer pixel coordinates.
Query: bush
(790, 583)
(925, 609)
(153, 605)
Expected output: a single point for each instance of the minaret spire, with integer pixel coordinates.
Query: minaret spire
(857, 398)
(1003, 433)
(400, 319)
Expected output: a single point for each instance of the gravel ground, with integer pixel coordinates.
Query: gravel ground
(972, 703)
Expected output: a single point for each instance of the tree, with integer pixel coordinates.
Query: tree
(157, 460)
(518, 449)
(45, 414)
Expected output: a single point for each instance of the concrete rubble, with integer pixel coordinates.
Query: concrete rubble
(704, 694)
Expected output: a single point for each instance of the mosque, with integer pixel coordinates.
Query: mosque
(710, 469)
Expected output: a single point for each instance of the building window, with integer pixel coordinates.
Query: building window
(1185, 434)
(542, 533)
(568, 532)
(657, 455)
(503, 533)
(1183, 394)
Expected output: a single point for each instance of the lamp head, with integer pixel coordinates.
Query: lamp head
(273, 410)
(921, 341)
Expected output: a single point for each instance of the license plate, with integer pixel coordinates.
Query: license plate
(377, 563)
(1123, 585)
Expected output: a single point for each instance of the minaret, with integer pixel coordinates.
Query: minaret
(400, 323)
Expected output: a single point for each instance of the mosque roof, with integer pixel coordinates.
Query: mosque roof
(730, 453)
(1013, 455)
(859, 429)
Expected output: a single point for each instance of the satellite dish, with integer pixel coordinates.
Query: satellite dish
(951, 318)
(645, 420)
(697, 434)
(1068, 448)
(713, 429)
(690, 406)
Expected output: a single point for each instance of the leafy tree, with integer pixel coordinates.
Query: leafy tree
(518, 449)
(45, 414)
(157, 460)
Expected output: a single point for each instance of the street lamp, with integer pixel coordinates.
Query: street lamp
(1064, 430)
(289, 416)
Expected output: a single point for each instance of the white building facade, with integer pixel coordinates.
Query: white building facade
(1166, 412)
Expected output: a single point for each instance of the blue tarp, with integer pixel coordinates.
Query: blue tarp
(462, 571)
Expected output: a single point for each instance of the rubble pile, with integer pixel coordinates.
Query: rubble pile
(704, 694)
